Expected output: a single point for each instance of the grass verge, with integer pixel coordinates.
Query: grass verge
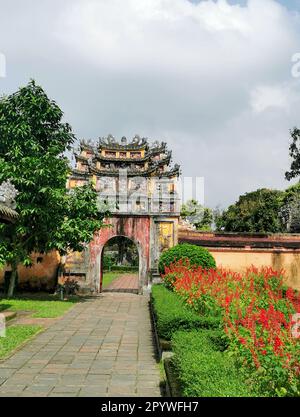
(47, 307)
(109, 277)
(16, 336)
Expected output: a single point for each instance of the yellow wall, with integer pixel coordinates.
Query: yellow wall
(166, 235)
(234, 259)
(45, 270)
(72, 184)
(239, 260)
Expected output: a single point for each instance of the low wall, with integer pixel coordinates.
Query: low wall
(240, 251)
(239, 260)
(41, 275)
(233, 251)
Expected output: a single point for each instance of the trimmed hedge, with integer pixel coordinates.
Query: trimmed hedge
(197, 256)
(202, 369)
(171, 314)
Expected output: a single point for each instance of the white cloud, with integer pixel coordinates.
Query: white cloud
(267, 97)
(175, 36)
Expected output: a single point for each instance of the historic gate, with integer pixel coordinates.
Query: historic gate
(134, 180)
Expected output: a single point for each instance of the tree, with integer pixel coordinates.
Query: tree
(254, 212)
(218, 213)
(290, 211)
(125, 250)
(33, 142)
(294, 154)
(201, 217)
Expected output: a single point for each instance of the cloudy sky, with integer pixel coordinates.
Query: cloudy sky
(211, 78)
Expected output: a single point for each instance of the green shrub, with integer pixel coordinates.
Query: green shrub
(196, 255)
(172, 315)
(203, 370)
(107, 262)
(170, 279)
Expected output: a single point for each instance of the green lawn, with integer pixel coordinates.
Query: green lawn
(43, 306)
(15, 337)
(109, 277)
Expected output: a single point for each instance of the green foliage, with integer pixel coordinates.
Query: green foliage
(171, 314)
(218, 213)
(15, 337)
(203, 370)
(255, 212)
(201, 217)
(169, 280)
(294, 154)
(80, 219)
(123, 251)
(196, 255)
(290, 210)
(107, 262)
(33, 142)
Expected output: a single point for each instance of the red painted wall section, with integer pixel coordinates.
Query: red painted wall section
(135, 228)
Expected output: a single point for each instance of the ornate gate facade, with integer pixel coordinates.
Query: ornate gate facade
(134, 180)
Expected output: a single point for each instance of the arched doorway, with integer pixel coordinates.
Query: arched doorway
(120, 265)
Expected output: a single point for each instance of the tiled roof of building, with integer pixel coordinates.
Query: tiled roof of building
(106, 158)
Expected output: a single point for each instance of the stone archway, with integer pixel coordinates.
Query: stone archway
(135, 228)
(150, 233)
(138, 273)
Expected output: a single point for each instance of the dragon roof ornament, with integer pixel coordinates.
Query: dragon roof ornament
(110, 142)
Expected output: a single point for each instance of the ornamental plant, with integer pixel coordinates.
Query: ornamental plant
(196, 255)
(257, 312)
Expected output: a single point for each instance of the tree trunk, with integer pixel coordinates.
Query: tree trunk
(12, 281)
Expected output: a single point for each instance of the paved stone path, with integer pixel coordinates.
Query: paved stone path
(101, 347)
(125, 283)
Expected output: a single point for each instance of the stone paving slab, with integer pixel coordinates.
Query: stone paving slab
(103, 347)
(124, 283)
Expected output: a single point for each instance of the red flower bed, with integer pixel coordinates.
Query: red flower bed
(258, 313)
